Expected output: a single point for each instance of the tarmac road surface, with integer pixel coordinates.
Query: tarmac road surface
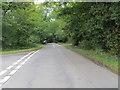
(57, 67)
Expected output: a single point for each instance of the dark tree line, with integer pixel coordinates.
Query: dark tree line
(93, 25)
(87, 25)
(25, 24)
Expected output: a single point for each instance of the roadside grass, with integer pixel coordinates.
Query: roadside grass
(22, 50)
(65, 44)
(103, 59)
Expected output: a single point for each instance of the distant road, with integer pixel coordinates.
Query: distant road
(57, 67)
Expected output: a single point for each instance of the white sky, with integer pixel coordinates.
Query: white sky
(41, 1)
(38, 1)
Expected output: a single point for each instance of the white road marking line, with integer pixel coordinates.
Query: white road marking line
(25, 55)
(22, 58)
(5, 79)
(18, 67)
(18, 61)
(31, 55)
(12, 72)
(4, 71)
(22, 63)
(15, 70)
(26, 60)
(10, 67)
(15, 63)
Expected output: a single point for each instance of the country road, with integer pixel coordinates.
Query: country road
(54, 66)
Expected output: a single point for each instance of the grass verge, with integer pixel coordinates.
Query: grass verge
(23, 50)
(105, 60)
(65, 44)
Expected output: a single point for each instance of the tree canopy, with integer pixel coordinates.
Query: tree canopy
(87, 25)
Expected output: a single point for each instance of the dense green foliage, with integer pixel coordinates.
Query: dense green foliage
(26, 24)
(93, 25)
(87, 25)
(39, 46)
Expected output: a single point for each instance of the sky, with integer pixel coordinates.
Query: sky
(38, 1)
